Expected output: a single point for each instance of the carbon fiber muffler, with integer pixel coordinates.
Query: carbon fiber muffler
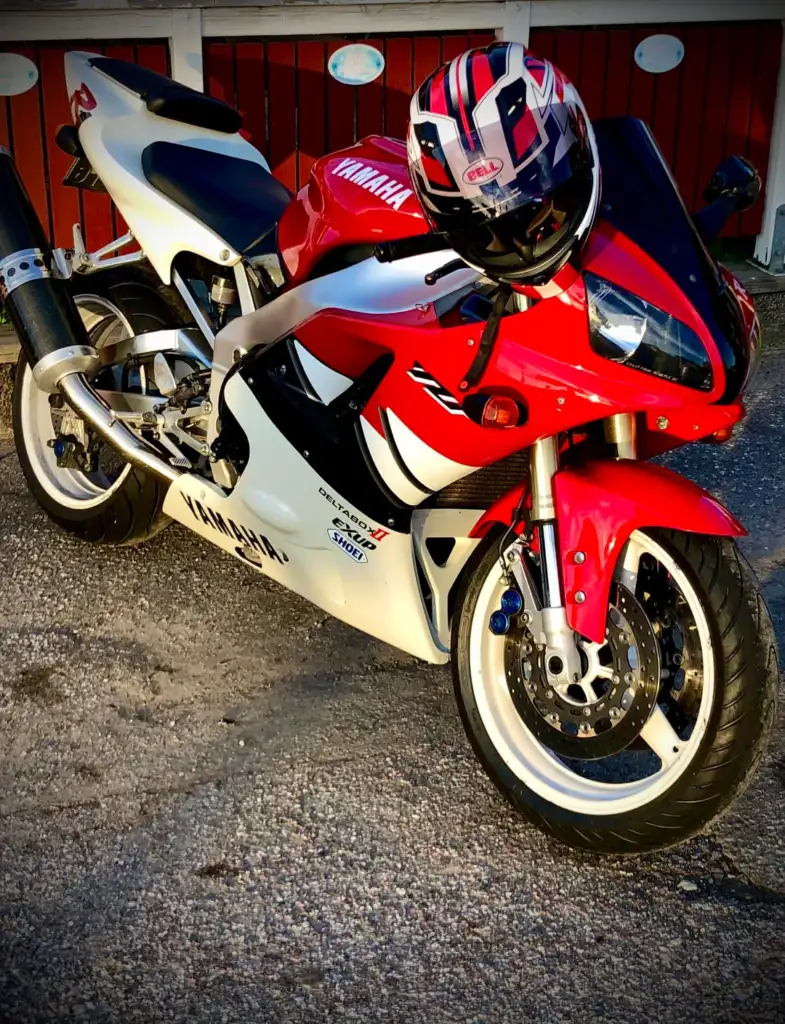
(48, 324)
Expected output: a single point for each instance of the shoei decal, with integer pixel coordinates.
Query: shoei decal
(356, 64)
(253, 547)
(17, 74)
(436, 391)
(347, 545)
(393, 192)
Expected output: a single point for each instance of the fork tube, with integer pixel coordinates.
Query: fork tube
(621, 430)
(543, 465)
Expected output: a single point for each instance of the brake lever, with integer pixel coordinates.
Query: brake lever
(448, 268)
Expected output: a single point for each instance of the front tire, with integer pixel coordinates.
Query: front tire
(724, 705)
(118, 504)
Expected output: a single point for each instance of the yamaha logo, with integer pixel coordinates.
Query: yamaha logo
(483, 170)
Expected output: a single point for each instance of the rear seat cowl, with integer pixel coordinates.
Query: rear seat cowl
(167, 98)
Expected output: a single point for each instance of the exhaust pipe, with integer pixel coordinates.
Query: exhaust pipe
(48, 324)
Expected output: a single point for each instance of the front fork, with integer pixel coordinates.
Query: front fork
(562, 655)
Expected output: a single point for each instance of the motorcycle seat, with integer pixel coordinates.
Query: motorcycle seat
(238, 199)
(170, 99)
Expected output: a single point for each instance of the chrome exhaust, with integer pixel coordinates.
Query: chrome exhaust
(48, 325)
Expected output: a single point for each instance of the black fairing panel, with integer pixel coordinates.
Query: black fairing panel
(238, 199)
(640, 199)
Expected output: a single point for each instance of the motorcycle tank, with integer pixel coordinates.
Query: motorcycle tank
(354, 199)
(641, 200)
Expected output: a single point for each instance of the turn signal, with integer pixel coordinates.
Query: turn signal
(719, 436)
(500, 412)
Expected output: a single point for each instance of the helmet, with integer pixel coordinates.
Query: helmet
(504, 162)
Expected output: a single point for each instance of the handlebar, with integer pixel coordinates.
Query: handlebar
(403, 248)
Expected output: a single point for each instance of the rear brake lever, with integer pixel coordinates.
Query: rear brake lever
(448, 268)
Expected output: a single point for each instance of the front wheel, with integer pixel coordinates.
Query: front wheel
(667, 723)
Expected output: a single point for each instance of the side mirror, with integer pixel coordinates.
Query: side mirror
(735, 180)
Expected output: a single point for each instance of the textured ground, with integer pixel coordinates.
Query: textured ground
(218, 805)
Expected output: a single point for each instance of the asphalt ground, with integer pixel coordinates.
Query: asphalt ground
(217, 804)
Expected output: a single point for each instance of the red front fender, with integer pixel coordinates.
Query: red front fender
(597, 507)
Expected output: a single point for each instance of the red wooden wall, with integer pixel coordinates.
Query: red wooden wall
(719, 101)
(294, 111)
(28, 124)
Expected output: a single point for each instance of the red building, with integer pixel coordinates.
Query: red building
(719, 90)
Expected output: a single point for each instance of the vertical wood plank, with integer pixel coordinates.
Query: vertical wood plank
(340, 105)
(568, 53)
(282, 118)
(452, 46)
(64, 202)
(762, 119)
(691, 104)
(665, 116)
(542, 42)
(617, 79)
(594, 62)
(29, 142)
(642, 83)
(154, 56)
(427, 57)
(251, 91)
(717, 100)
(737, 132)
(5, 125)
(311, 85)
(398, 86)
(219, 72)
(370, 102)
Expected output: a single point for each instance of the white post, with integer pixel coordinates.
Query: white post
(517, 20)
(185, 47)
(775, 181)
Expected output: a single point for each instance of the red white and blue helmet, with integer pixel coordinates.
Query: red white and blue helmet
(504, 162)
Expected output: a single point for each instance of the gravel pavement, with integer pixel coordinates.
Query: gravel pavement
(216, 804)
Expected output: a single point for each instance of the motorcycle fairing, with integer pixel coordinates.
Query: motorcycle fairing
(598, 506)
(285, 520)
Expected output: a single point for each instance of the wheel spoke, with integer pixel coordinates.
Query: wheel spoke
(604, 672)
(663, 739)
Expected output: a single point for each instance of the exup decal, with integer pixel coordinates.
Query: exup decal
(435, 390)
(347, 546)
(393, 192)
(17, 74)
(483, 170)
(374, 532)
(252, 547)
(356, 64)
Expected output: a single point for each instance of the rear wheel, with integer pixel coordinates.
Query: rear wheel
(669, 719)
(98, 496)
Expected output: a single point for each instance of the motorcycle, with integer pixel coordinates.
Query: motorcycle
(317, 386)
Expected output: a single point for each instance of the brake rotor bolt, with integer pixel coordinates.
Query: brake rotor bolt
(629, 678)
(584, 727)
(527, 618)
(615, 714)
(549, 694)
(587, 711)
(553, 719)
(615, 679)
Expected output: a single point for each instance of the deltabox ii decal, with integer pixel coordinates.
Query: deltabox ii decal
(374, 532)
(252, 547)
(342, 541)
(393, 192)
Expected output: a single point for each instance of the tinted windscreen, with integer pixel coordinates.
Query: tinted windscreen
(639, 199)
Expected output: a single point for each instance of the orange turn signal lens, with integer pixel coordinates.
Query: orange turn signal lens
(500, 412)
(719, 436)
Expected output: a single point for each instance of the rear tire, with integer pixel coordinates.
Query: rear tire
(125, 508)
(741, 684)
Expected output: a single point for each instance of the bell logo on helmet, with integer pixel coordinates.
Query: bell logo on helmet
(483, 170)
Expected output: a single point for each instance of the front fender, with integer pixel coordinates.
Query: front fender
(598, 506)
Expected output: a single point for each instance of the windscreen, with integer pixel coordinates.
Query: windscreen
(640, 199)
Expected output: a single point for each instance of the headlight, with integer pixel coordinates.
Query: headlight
(627, 329)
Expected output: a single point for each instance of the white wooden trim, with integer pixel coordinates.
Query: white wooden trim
(185, 47)
(563, 13)
(35, 26)
(373, 18)
(775, 179)
(517, 21)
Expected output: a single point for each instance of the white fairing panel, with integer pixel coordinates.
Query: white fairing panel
(430, 467)
(283, 518)
(114, 136)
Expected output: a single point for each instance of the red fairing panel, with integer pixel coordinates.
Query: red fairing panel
(357, 196)
(598, 506)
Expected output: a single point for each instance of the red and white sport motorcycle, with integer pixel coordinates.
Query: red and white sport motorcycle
(289, 378)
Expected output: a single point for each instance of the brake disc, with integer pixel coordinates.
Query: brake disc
(604, 711)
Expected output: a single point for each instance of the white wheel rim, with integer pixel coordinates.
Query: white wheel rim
(68, 487)
(532, 762)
